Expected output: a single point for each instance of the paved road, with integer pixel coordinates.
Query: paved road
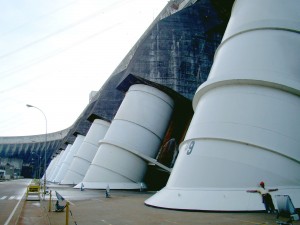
(11, 193)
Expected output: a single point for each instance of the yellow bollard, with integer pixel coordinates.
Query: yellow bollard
(27, 193)
(50, 203)
(67, 213)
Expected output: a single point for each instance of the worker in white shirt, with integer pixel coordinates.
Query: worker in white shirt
(266, 197)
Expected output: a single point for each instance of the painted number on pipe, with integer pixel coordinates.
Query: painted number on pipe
(190, 147)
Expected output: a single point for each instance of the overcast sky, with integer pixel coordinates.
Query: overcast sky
(53, 53)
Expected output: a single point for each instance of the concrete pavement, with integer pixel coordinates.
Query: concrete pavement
(91, 207)
(34, 213)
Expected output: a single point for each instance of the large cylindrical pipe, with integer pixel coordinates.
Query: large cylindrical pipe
(136, 131)
(58, 160)
(86, 153)
(68, 159)
(246, 126)
(51, 167)
(62, 155)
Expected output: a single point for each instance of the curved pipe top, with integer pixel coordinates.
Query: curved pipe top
(279, 15)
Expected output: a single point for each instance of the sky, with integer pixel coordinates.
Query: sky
(53, 53)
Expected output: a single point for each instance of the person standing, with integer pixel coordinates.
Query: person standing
(266, 197)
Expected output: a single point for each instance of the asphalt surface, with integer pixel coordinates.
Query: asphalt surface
(11, 193)
(91, 207)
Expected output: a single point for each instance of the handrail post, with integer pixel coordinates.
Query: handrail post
(67, 213)
(49, 208)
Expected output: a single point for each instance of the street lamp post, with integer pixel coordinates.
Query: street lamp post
(45, 161)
